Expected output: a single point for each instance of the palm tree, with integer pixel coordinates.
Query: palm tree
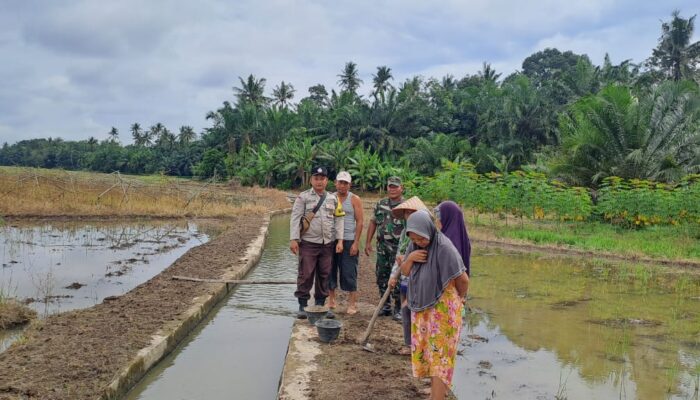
(186, 135)
(488, 74)
(349, 79)
(252, 91)
(614, 133)
(283, 94)
(381, 82)
(165, 139)
(92, 142)
(675, 56)
(137, 134)
(113, 135)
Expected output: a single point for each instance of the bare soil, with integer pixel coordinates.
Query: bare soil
(74, 355)
(347, 372)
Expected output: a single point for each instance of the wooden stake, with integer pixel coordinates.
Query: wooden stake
(235, 281)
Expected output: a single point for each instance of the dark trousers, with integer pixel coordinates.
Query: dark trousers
(315, 261)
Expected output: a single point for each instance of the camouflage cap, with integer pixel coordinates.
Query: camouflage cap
(393, 180)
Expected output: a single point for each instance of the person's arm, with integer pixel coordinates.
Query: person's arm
(359, 224)
(370, 231)
(294, 222)
(462, 285)
(339, 223)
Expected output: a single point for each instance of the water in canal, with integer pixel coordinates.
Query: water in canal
(239, 351)
(575, 329)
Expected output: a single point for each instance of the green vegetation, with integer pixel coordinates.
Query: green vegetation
(669, 242)
(560, 115)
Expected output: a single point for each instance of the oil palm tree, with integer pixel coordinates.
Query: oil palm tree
(615, 133)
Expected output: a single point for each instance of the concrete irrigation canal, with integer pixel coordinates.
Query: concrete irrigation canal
(240, 348)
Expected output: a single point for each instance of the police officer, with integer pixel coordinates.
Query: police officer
(388, 231)
(316, 246)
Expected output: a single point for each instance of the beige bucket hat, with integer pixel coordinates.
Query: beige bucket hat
(414, 203)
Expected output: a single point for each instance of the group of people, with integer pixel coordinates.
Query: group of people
(422, 258)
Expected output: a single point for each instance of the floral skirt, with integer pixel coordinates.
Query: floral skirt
(435, 335)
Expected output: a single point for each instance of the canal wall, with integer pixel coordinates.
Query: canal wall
(165, 341)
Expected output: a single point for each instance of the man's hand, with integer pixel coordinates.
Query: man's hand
(294, 247)
(368, 248)
(354, 249)
(339, 247)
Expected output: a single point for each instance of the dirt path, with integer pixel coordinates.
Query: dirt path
(75, 355)
(347, 372)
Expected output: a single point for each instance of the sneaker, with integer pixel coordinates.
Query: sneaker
(301, 314)
(397, 316)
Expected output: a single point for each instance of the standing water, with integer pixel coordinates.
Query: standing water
(560, 329)
(239, 351)
(60, 266)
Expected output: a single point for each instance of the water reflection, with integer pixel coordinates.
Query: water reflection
(238, 353)
(579, 331)
(56, 267)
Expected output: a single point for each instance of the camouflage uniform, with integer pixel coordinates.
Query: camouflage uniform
(388, 234)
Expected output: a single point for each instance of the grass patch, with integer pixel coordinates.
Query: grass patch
(47, 193)
(13, 313)
(660, 241)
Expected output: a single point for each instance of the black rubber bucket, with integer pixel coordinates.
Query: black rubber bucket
(316, 313)
(328, 329)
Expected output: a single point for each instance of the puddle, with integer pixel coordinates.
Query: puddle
(239, 351)
(548, 329)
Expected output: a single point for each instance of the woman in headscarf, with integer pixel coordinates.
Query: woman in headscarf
(452, 225)
(437, 288)
(403, 211)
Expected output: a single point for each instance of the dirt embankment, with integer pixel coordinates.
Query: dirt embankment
(75, 355)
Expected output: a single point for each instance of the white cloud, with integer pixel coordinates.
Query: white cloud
(79, 67)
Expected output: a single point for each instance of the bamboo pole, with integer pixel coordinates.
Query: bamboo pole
(236, 281)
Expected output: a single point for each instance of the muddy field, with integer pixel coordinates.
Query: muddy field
(74, 355)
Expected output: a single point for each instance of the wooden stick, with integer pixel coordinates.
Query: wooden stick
(365, 337)
(236, 281)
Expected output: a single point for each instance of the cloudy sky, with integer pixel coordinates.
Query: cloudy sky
(74, 69)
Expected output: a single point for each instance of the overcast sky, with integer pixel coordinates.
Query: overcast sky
(73, 69)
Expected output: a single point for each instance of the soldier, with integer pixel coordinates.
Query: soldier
(388, 231)
(316, 246)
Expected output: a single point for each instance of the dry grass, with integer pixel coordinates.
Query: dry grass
(13, 313)
(31, 192)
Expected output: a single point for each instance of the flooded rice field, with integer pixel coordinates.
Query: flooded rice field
(60, 266)
(239, 351)
(560, 329)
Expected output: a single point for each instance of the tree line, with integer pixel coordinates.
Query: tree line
(560, 114)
